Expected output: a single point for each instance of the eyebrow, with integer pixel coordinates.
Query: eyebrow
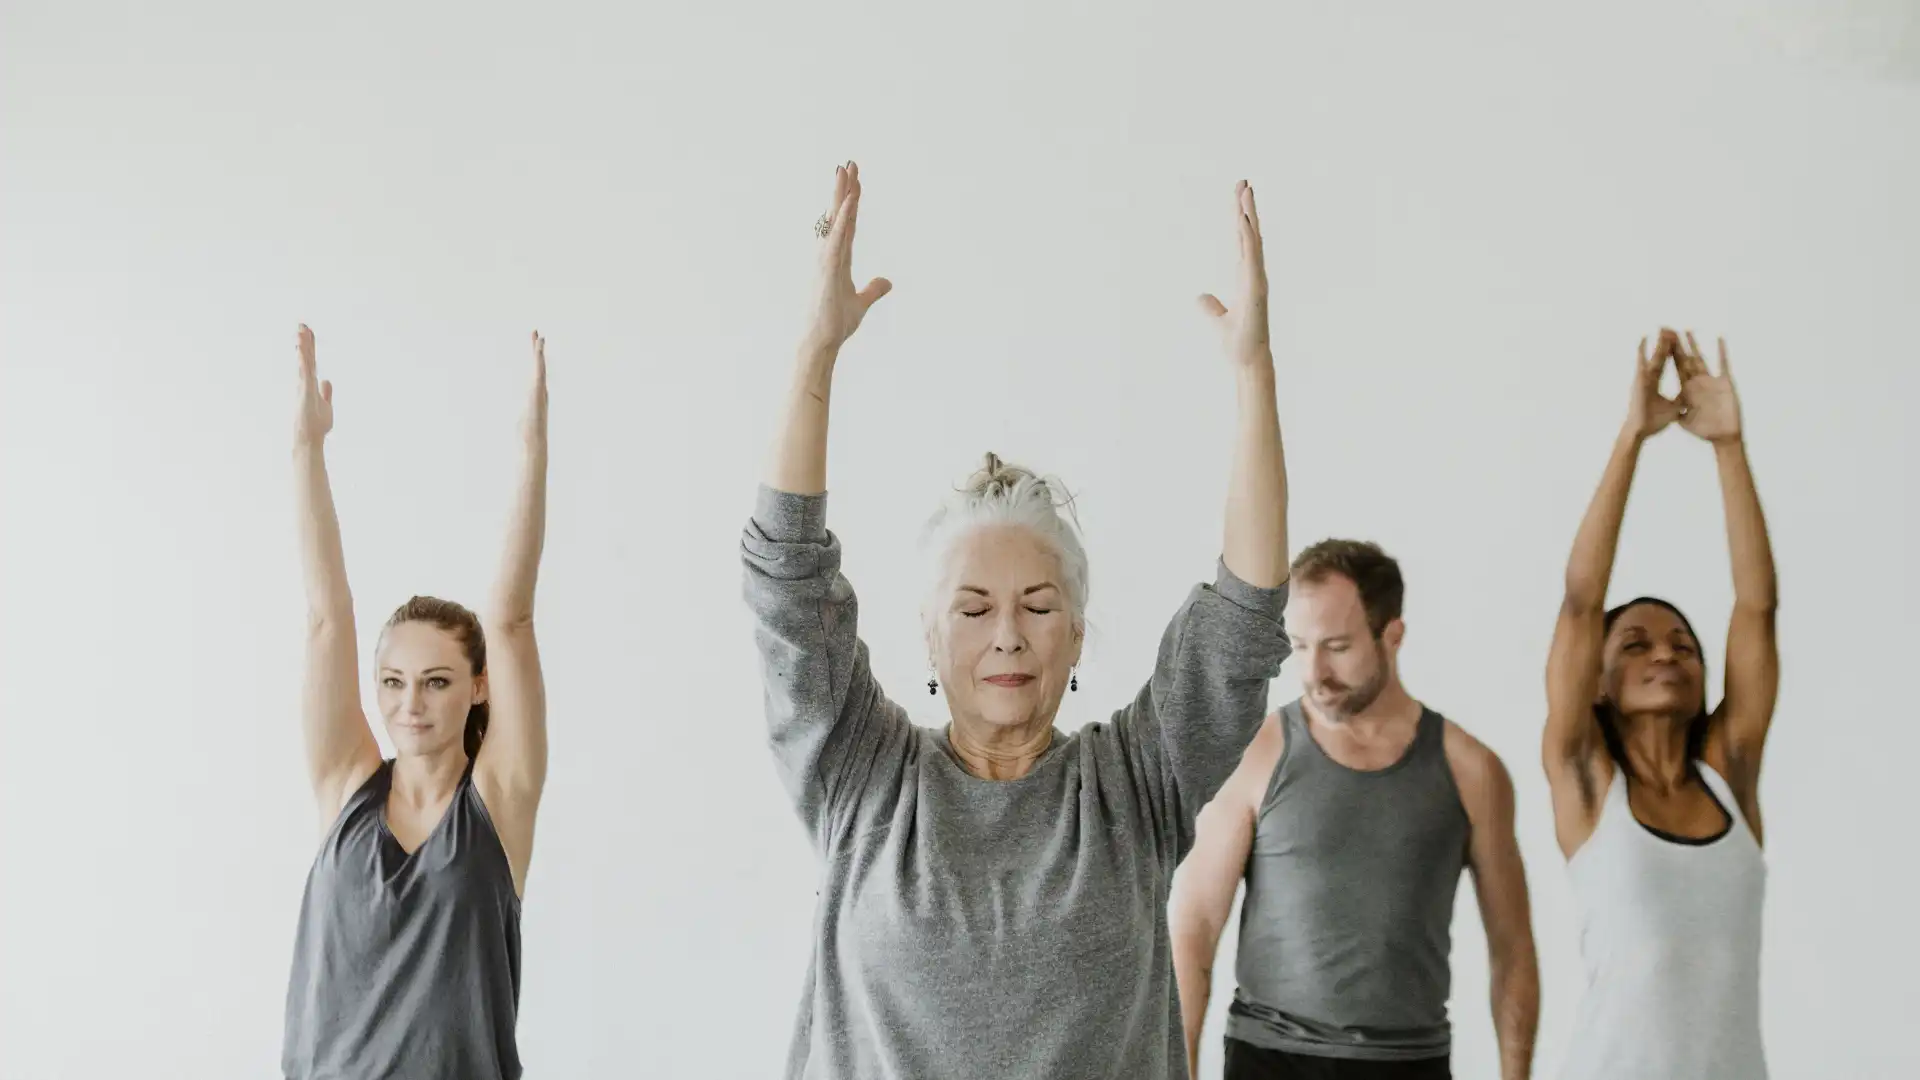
(1028, 591)
(429, 671)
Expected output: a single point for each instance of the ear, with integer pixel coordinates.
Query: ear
(480, 688)
(1394, 633)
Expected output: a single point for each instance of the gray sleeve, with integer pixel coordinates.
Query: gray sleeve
(827, 721)
(1186, 730)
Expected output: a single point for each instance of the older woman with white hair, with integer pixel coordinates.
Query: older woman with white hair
(994, 892)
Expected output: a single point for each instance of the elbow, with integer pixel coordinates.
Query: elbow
(508, 623)
(328, 621)
(1583, 599)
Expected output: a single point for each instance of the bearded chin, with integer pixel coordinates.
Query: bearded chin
(1356, 699)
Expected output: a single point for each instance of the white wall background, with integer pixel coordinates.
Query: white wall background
(1473, 213)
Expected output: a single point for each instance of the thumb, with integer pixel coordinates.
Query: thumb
(875, 289)
(1211, 305)
(326, 391)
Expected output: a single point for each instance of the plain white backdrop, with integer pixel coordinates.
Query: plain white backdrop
(1473, 212)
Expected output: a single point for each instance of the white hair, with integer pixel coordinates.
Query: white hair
(1003, 494)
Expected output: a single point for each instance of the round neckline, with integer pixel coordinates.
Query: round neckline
(1673, 839)
(942, 737)
(1401, 762)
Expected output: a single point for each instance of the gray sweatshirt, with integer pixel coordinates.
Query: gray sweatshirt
(969, 928)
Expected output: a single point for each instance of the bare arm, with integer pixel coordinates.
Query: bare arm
(1739, 732)
(1209, 877)
(341, 752)
(1255, 547)
(511, 766)
(799, 465)
(1571, 751)
(1500, 885)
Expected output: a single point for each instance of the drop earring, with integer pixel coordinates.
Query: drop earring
(933, 684)
(1073, 678)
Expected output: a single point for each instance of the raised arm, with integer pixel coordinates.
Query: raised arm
(1738, 735)
(799, 465)
(341, 752)
(1192, 723)
(1500, 886)
(1255, 547)
(1576, 763)
(511, 766)
(827, 719)
(1209, 877)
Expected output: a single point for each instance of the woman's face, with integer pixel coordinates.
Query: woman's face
(426, 687)
(1006, 640)
(1652, 664)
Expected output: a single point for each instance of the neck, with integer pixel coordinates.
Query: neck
(428, 779)
(993, 752)
(1656, 748)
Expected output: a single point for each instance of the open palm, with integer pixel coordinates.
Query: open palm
(313, 417)
(839, 307)
(1245, 324)
(1711, 407)
(1650, 411)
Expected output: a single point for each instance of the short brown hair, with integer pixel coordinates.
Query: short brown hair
(1372, 571)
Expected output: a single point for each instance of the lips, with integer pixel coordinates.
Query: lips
(1009, 681)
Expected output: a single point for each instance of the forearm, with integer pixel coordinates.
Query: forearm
(323, 563)
(799, 464)
(1747, 542)
(1590, 566)
(1193, 973)
(1516, 1009)
(526, 537)
(1256, 534)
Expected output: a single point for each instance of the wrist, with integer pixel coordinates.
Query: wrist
(818, 354)
(1728, 444)
(307, 447)
(1253, 370)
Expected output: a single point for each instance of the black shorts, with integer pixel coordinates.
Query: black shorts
(1246, 1061)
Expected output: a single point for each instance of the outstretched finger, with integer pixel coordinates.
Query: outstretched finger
(1725, 371)
(1696, 363)
(539, 357)
(850, 211)
(303, 346)
(1249, 210)
(1642, 369)
(1211, 306)
(839, 190)
(837, 248)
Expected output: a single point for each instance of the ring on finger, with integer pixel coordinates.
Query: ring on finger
(823, 225)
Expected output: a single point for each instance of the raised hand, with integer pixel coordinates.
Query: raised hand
(533, 427)
(839, 307)
(1712, 407)
(1649, 410)
(313, 417)
(1244, 326)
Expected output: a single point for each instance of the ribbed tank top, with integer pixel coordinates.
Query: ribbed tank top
(1670, 938)
(406, 965)
(1346, 928)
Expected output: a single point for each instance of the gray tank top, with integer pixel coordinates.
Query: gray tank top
(1346, 929)
(406, 965)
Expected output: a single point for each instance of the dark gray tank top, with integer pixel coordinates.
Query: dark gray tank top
(406, 965)
(1346, 929)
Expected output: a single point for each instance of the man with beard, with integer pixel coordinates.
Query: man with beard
(1351, 817)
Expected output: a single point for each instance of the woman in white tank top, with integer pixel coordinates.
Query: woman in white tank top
(1655, 798)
